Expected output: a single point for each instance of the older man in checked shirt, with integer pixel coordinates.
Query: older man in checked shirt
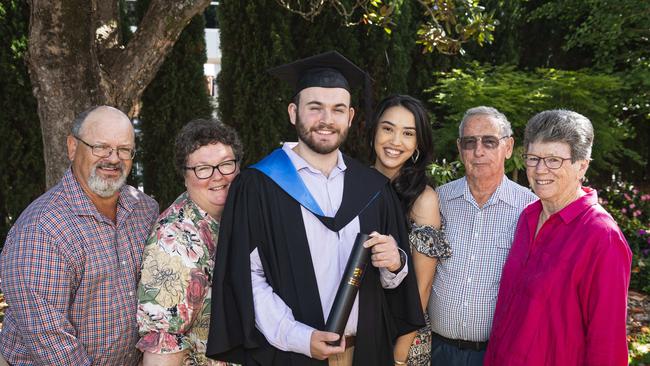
(480, 213)
(70, 265)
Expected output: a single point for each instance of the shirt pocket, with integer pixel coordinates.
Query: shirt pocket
(495, 255)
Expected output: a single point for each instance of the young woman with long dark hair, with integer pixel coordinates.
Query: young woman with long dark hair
(400, 138)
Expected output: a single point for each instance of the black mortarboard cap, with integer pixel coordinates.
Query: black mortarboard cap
(326, 70)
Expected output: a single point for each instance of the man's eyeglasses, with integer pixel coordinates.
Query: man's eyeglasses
(103, 151)
(488, 141)
(551, 162)
(206, 171)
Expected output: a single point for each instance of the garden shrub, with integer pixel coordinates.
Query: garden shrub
(521, 94)
(630, 207)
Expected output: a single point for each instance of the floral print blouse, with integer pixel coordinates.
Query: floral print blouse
(174, 292)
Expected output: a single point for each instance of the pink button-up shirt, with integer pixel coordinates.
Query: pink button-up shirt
(563, 294)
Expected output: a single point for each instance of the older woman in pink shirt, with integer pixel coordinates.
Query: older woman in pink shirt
(563, 293)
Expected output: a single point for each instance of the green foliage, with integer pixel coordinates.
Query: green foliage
(444, 172)
(635, 108)
(454, 23)
(506, 46)
(177, 95)
(521, 94)
(616, 32)
(445, 25)
(22, 165)
(630, 207)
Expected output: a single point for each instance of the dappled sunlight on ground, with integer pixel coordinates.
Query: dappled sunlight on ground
(638, 328)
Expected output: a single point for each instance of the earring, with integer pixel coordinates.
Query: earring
(415, 156)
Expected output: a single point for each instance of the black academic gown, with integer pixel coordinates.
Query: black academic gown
(259, 214)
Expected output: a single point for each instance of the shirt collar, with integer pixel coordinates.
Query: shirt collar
(81, 203)
(457, 190)
(568, 213)
(505, 192)
(575, 208)
(185, 201)
(302, 164)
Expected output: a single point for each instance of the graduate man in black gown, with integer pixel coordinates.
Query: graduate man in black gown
(286, 234)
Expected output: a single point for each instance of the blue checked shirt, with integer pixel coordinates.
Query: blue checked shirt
(465, 287)
(69, 275)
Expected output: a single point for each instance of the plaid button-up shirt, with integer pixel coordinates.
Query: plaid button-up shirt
(70, 275)
(465, 287)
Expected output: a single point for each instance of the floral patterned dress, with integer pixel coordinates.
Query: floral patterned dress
(174, 292)
(432, 243)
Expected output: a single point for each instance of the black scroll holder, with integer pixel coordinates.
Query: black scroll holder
(348, 288)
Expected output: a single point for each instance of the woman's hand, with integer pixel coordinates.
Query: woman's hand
(385, 253)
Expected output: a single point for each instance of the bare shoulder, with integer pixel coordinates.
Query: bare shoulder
(426, 208)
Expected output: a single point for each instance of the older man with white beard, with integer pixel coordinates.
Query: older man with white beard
(70, 264)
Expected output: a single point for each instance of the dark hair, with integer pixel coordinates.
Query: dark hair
(560, 125)
(412, 177)
(202, 132)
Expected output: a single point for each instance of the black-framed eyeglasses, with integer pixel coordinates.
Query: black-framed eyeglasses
(551, 162)
(489, 142)
(206, 171)
(104, 151)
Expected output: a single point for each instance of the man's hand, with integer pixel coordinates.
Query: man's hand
(384, 251)
(321, 350)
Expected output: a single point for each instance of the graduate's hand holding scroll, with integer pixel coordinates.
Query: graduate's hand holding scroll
(318, 347)
(384, 251)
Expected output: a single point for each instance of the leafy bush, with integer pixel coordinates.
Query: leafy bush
(631, 209)
(444, 172)
(521, 94)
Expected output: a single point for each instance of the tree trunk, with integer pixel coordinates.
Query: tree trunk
(76, 60)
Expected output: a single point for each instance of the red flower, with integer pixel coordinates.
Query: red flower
(196, 289)
(184, 313)
(150, 342)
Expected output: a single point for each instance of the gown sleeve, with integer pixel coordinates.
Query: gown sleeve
(404, 300)
(232, 323)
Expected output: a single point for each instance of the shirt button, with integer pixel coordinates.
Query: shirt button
(464, 324)
(469, 280)
(476, 235)
(124, 263)
(130, 293)
(473, 257)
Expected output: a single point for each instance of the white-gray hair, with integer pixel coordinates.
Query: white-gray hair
(504, 125)
(561, 125)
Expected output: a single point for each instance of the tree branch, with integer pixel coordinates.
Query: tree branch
(132, 69)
